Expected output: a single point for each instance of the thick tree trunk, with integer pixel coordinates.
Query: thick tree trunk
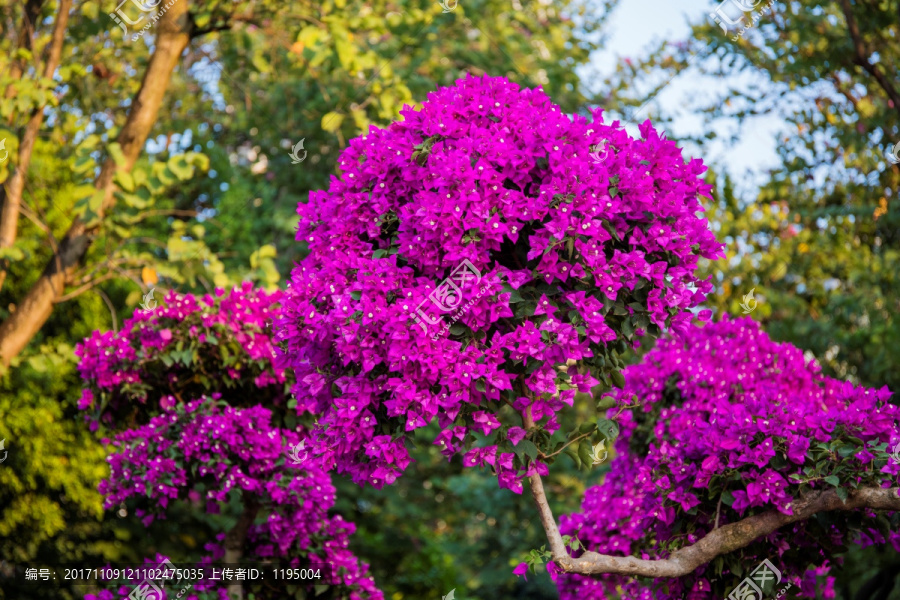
(234, 544)
(173, 36)
(11, 193)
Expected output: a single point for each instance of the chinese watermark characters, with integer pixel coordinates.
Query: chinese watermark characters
(448, 297)
(730, 13)
(751, 588)
(146, 7)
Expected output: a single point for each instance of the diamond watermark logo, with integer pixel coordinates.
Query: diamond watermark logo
(296, 159)
(149, 302)
(449, 5)
(298, 452)
(893, 155)
(598, 152)
(3, 153)
(599, 453)
(749, 304)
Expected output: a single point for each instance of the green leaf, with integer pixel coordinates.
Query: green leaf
(586, 427)
(125, 180)
(585, 452)
(180, 166)
(606, 403)
(727, 498)
(833, 480)
(618, 379)
(12, 254)
(331, 121)
(842, 494)
(528, 447)
(115, 153)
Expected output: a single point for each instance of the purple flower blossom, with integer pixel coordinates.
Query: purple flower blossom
(496, 178)
(183, 428)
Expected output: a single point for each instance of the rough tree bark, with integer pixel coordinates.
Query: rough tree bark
(234, 543)
(173, 36)
(11, 193)
(723, 540)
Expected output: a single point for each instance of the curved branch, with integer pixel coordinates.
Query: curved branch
(112, 309)
(863, 53)
(723, 540)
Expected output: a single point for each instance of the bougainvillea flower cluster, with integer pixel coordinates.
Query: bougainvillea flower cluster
(182, 349)
(202, 418)
(732, 424)
(465, 256)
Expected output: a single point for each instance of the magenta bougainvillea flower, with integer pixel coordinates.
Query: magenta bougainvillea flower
(464, 256)
(202, 417)
(731, 424)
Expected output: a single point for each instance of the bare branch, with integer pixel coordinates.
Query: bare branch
(89, 285)
(171, 212)
(112, 309)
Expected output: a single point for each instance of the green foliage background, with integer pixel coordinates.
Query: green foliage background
(212, 200)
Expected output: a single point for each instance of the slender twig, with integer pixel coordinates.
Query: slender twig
(90, 285)
(569, 443)
(112, 309)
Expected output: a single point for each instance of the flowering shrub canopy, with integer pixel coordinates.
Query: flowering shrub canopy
(206, 419)
(183, 349)
(729, 415)
(542, 238)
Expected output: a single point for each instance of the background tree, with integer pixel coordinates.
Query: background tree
(828, 69)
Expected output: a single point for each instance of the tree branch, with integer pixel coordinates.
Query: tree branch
(24, 41)
(35, 308)
(723, 540)
(11, 193)
(862, 56)
(87, 286)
